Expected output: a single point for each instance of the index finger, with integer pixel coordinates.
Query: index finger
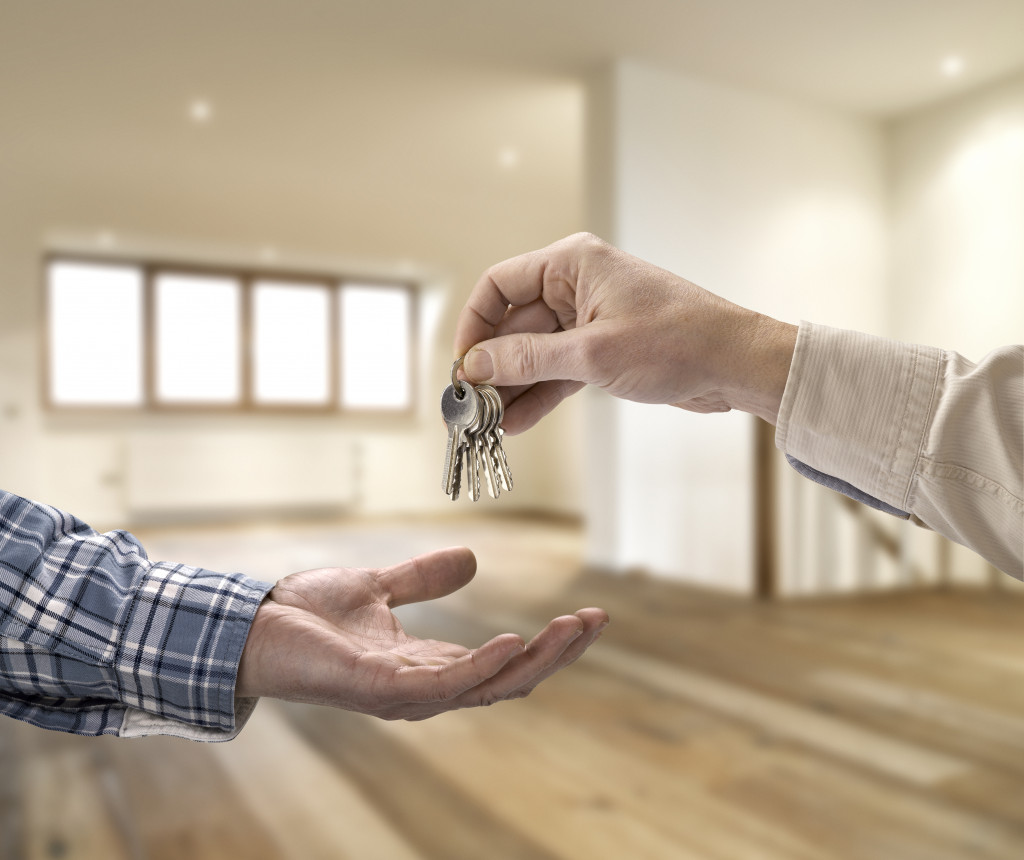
(517, 281)
(512, 283)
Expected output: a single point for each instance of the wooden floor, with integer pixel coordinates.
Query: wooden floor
(700, 726)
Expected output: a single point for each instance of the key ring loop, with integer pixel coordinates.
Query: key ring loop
(460, 392)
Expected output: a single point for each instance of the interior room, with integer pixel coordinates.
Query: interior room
(234, 241)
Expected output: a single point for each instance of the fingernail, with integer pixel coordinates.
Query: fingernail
(478, 365)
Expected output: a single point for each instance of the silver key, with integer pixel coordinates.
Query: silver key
(485, 439)
(502, 461)
(482, 438)
(472, 452)
(457, 477)
(496, 448)
(461, 414)
(467, 467)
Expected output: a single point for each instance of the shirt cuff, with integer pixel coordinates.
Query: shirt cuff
(181, 641)
(857, 407)
(139, 724)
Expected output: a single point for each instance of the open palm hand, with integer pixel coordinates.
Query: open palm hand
(329, 637)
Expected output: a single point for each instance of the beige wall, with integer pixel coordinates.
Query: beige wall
(773, 204)
(389, 174)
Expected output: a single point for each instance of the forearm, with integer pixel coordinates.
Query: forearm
(96, 639)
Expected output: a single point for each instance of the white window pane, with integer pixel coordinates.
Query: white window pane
(198, 329)
(291, 331)
(95, 318)
(376, 329)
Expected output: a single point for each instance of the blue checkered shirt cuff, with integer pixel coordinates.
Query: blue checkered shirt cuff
(97, 639)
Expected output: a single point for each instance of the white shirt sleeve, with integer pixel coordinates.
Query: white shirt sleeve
(920, 429)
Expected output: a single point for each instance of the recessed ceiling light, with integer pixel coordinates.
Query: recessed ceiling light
(200, 111)
(268, 254)
(106, 239)
(952, 66)
(508, 157)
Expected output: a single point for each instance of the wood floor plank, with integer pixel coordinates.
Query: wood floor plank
(908, 700)
(579, 794)
(994, 795)
(178, 802)
(779, 664)
(309, 809)
(821, 801)
(825, 734)
(68, 814)
(12, 789)
(424, 806)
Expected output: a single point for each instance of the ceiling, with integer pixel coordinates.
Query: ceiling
(875, 57)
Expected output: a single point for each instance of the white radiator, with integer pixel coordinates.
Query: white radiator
(190, 472)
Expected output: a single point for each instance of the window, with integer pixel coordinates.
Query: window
(95, 326)
(291, 343)
(147, 335)
(197, 332)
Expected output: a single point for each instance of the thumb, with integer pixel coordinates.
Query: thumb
(428, 576)
(523, 359)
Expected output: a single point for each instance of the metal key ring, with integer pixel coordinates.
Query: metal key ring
(460, 392)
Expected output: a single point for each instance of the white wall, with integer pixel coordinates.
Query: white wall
(914, 229)
(958, 222)
(772, 204)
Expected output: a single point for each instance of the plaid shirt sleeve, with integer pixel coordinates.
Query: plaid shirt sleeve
(97, 639)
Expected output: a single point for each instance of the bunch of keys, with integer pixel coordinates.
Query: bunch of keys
(473, 414)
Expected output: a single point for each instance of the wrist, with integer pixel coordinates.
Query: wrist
(249, 681)
(758, 366)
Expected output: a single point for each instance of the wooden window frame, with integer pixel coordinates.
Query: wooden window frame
(247, 278)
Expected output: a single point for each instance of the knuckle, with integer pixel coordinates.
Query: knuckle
(491, 275)
(586, 239)
(524, 362)
(489, 698)
(594, 351)
(440, 691)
